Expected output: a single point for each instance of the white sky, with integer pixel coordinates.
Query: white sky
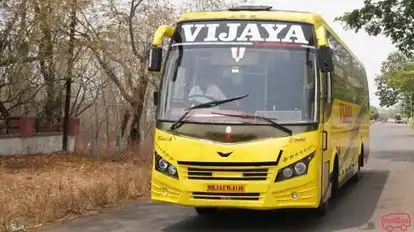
(370, 50)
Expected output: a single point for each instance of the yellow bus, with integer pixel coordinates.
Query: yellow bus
(257, 109)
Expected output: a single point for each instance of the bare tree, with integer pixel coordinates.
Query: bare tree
(121, 50)
(18, 85)
(105, 57)
(206, 5)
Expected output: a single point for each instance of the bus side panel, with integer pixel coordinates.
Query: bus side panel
(350, 108)
(367, 122)
(348, 122)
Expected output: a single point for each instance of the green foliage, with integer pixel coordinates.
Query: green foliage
(388, 92)
(373, 113)
(407, 100)
(387, 96)
(392, 18)
(396, 81)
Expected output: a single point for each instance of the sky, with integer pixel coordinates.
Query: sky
(372, 51)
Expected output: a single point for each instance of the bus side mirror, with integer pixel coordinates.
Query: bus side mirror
(155, 59)
(325, 59)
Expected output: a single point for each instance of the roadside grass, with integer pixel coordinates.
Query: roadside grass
(42, 189)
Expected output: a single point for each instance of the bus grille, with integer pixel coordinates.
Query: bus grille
(227, 196)
(233, 174)
(229, 171)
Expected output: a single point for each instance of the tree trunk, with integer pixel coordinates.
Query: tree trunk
(132, 128)
(129, 122)
(71, 64)
(139, 117)
(4, 113)
(141, 109)
(46, 59)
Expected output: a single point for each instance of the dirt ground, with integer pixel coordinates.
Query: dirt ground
(38, 190)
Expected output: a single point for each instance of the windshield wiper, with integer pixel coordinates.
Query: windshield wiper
(210, 104)
(270, 120)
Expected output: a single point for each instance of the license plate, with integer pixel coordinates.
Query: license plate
(223, 188)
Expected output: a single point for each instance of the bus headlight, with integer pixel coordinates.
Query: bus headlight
(162, 164)
(299, 168)
(164, 167)
(172, 170)
(287, 172)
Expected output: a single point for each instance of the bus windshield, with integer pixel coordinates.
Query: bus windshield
(279, 79)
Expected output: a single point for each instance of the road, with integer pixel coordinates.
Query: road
(386, 187)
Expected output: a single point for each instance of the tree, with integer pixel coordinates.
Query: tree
(396, 81)
(15, 91)
(387, 96)
(392, 18)
(34, 49)
(101, 46)
(373, 114)
(120, 40)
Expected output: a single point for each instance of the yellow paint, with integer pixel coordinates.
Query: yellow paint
(271, 194)
(263, 151)
(161, 33)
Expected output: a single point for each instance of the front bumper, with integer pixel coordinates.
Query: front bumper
(260, 195)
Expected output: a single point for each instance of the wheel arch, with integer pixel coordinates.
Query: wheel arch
(334, 155)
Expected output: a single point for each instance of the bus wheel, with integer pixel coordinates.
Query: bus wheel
(206, 211)
(323, 208)
(335, 178)
(357, 175)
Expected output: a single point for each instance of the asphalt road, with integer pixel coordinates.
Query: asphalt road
(385, 188)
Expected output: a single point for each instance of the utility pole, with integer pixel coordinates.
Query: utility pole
(71, 49)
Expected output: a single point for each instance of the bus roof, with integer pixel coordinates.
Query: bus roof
(265, 14)
(297, 16)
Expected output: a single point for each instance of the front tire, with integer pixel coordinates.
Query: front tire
(335, 178)
(206, 211)
(323, 208)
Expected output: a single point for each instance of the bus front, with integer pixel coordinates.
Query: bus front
(237, 116)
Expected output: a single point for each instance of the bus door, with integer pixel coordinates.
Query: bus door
(326, 132)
